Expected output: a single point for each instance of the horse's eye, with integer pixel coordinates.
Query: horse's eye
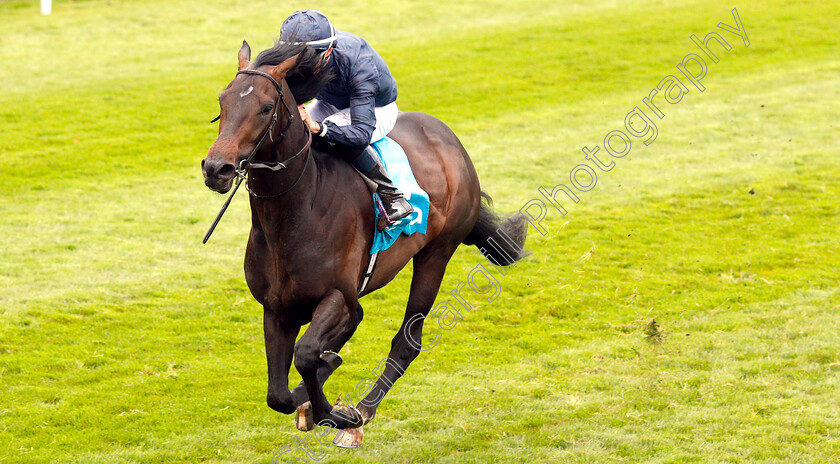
(267, 108)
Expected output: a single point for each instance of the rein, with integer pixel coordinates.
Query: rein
(248, 163)
(277, 166)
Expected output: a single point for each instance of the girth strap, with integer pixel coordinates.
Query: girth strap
(368, 273)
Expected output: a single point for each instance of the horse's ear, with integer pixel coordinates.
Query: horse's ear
(279, 72)
(244, 55)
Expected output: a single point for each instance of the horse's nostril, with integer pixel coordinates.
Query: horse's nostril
(227, 170)
(215, 168)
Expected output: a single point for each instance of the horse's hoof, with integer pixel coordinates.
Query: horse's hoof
(349, 438)
(303, 417)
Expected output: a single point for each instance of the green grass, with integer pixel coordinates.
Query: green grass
(123, 339)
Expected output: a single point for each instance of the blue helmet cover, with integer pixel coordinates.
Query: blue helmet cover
(308, 26)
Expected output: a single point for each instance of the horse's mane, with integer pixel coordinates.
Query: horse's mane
(309, 75)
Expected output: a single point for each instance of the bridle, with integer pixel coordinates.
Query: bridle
(249, 163)
(269, 131)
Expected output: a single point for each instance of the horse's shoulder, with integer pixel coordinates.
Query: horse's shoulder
(338, 181)
(331, 166)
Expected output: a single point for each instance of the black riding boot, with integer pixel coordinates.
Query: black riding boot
(396, 206)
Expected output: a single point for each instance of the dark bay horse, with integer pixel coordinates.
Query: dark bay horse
(313, 221)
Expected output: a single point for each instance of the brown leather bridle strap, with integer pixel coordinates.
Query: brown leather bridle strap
(245, 164)
(270, 129)
(279, 166)
(249, 163)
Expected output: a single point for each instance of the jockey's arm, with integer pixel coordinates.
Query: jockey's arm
(362, 109)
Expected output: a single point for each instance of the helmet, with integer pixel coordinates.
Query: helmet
(310, 27)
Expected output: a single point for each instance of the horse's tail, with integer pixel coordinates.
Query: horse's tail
(501, 240)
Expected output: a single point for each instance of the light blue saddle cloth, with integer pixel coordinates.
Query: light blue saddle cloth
(396, 163)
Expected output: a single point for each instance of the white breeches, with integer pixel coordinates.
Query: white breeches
(386, 116)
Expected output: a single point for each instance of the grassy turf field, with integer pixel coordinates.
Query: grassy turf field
(123, 339)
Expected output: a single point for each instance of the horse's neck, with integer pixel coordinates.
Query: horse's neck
(328, 188)
(286, 214)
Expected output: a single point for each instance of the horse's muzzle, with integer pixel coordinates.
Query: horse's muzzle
(218, 174)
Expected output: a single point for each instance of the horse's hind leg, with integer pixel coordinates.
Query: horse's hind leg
(330, 320)
(429, 267)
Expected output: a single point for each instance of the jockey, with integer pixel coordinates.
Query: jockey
(357, 107)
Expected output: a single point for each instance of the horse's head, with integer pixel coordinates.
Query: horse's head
(253, 110)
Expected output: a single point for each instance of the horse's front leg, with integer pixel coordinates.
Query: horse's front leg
(279, 348)
(330, 360)
(331, 318)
